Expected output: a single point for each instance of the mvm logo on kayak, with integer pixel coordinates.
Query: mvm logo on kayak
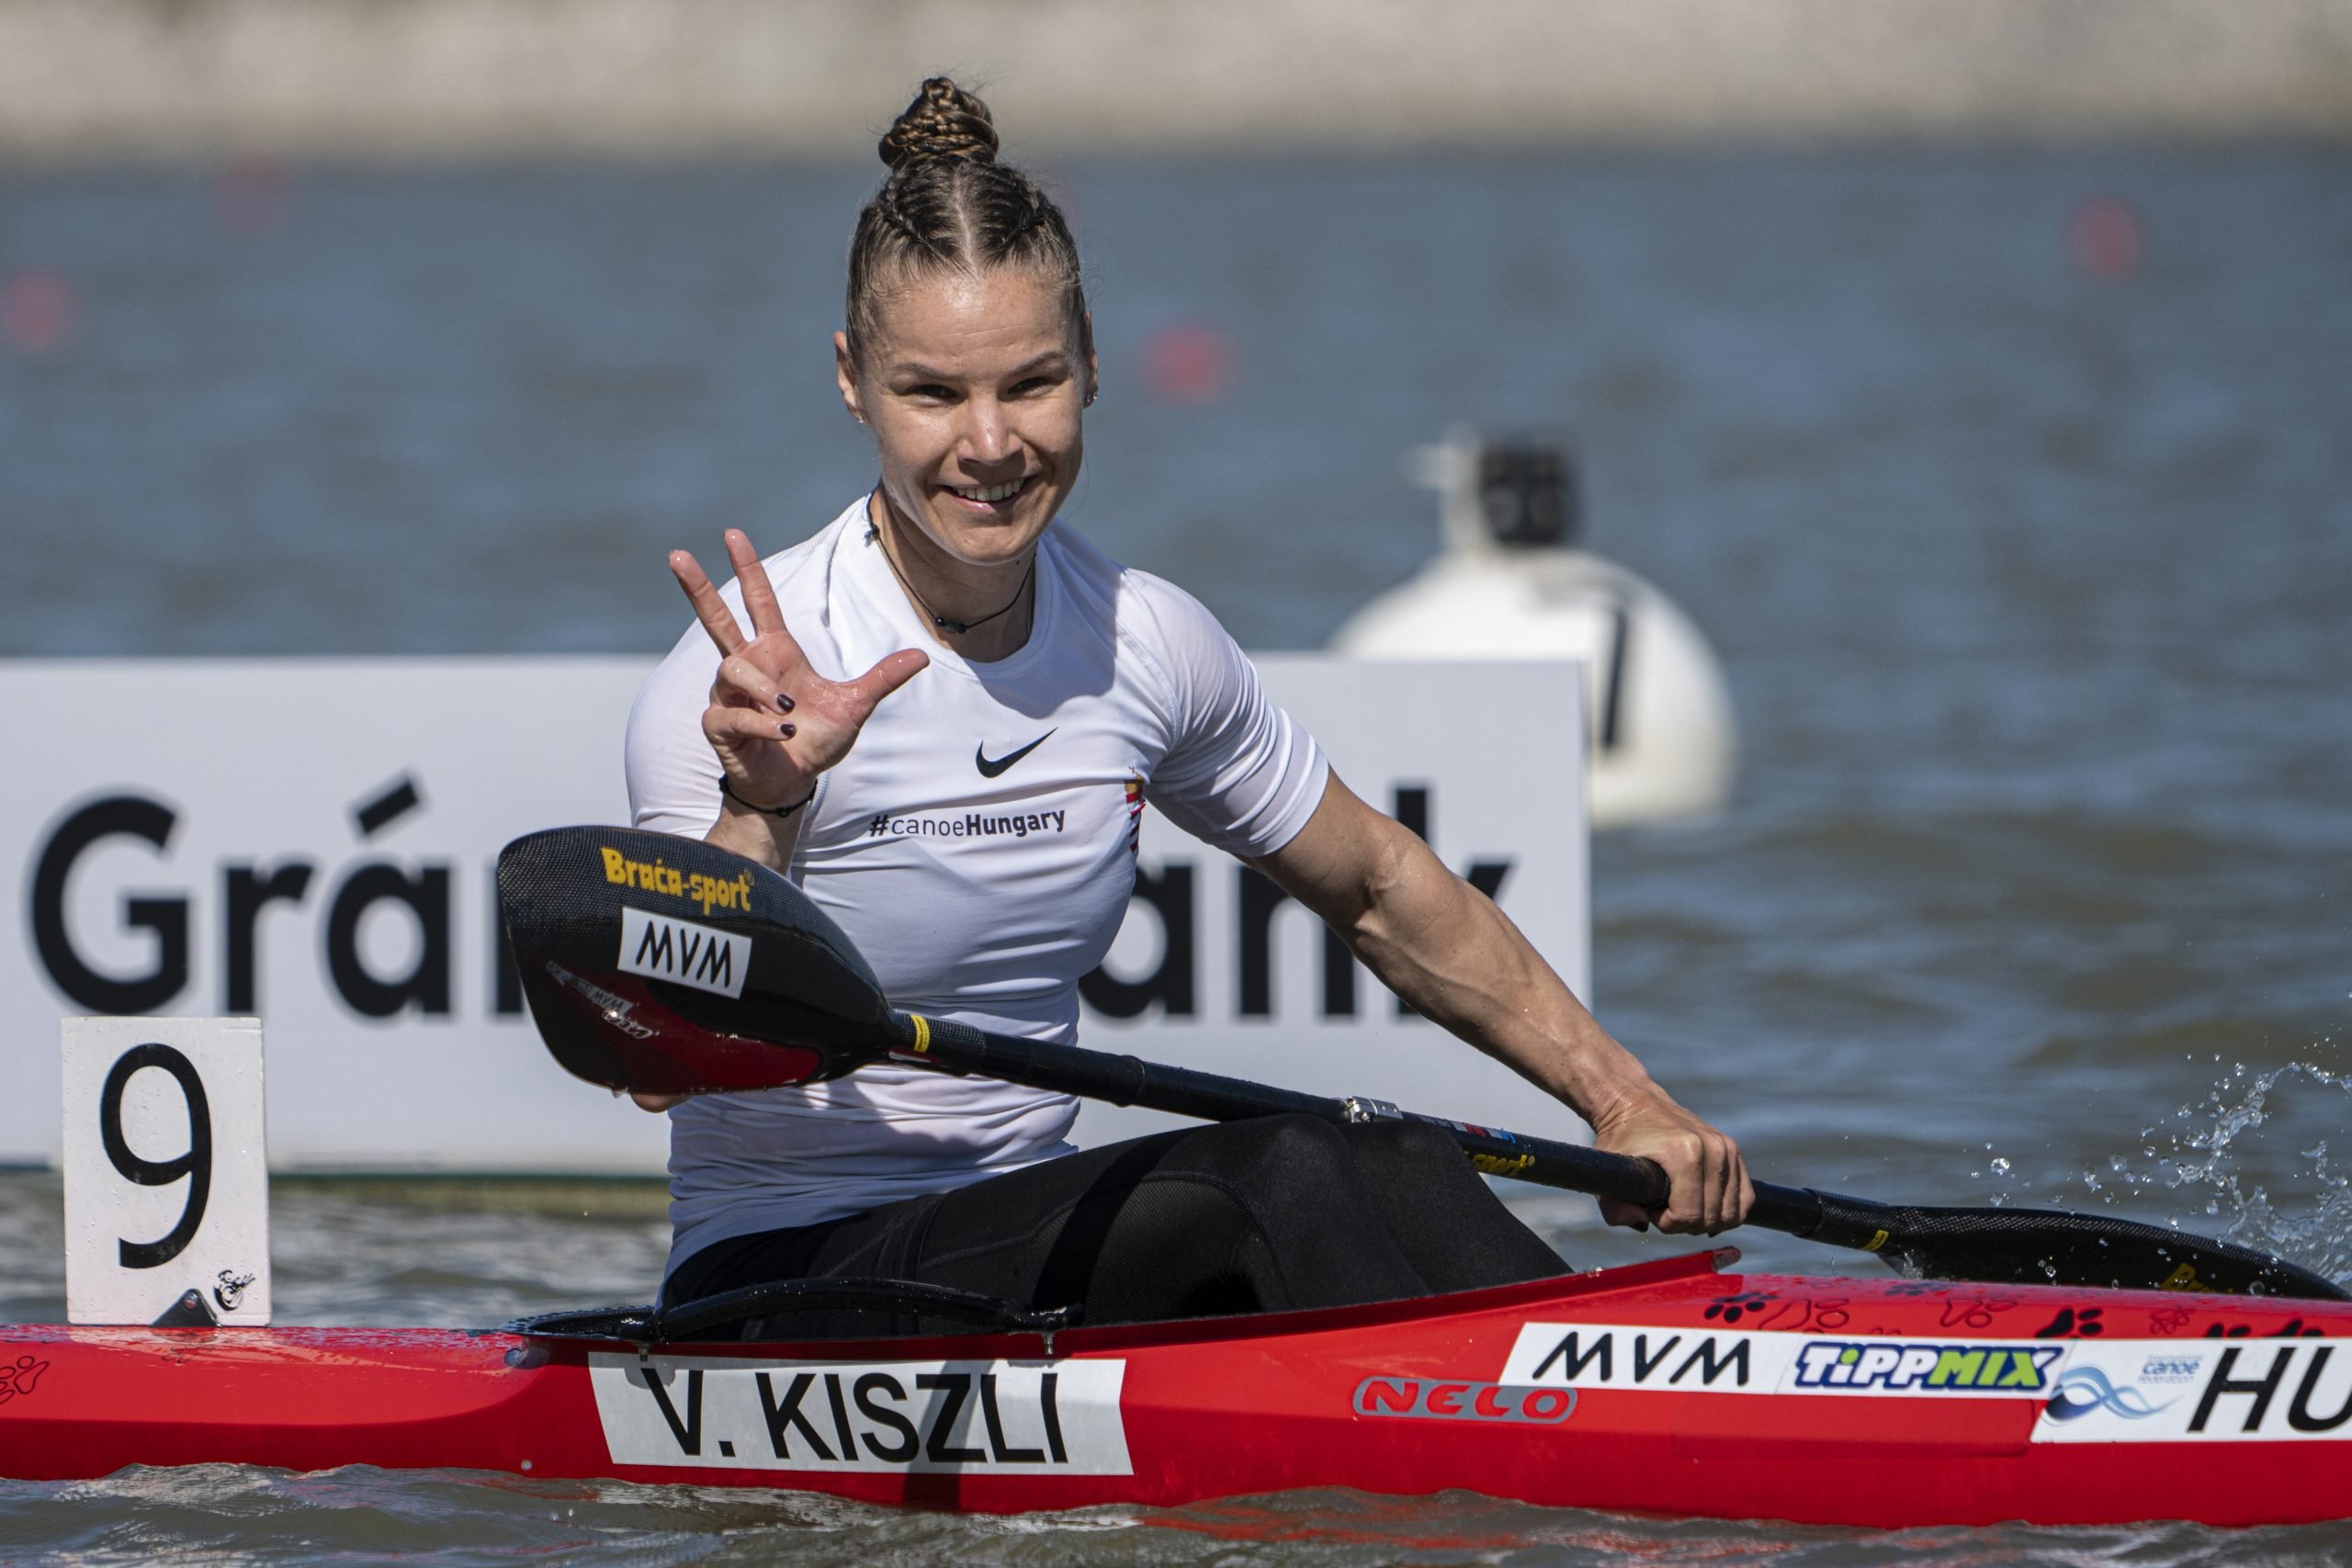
(988, 1418)
(1631, 1357)
(1685, 1360)
(661, 948)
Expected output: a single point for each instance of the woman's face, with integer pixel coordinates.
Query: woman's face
(973, 390)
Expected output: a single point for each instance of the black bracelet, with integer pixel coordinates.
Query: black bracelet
(727, 788)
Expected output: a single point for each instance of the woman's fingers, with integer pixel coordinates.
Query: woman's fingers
(1741, 1196)
(1633, 1217)
(1711, 1216)
(1727, 1211)
(1686, 1168)
(1710, 1191)
(759, 597)
(779, 650)
(709, 608)
(764, 689)
(742, 683)
(739, 726)
(893, 672)
(1719, 1179)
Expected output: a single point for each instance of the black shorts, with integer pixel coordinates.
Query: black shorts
(1263, 1215)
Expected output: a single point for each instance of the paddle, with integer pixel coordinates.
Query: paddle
(663, 965)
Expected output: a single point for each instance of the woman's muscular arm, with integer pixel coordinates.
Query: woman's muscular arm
(1444, 947)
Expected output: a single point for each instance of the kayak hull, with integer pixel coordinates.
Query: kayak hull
(1664, 1388)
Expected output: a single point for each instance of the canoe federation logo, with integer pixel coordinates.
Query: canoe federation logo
(2092, 1391)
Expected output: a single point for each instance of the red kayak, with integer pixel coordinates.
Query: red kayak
(1663, 1388)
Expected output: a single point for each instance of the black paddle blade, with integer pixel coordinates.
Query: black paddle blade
(658, 964)
(2043, 1246)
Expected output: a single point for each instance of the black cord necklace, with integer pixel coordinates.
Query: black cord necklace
(952, 628)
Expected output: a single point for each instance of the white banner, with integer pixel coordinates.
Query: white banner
(311, 841)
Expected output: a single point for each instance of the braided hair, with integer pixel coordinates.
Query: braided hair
(949, 204)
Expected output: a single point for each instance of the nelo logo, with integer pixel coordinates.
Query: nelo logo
(1436, 1399)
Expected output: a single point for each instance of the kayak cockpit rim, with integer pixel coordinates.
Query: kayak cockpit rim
(646, 1327)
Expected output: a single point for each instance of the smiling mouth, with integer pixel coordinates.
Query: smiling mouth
(986, 495)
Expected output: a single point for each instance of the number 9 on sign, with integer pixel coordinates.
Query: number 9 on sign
(166, 1180)
(195, 1165)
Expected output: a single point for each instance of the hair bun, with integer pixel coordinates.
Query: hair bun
(944, 122)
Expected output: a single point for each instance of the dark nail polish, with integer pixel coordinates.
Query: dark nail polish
(786, 730)
(783, 703)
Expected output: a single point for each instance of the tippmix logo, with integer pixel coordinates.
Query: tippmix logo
(1912, 1368)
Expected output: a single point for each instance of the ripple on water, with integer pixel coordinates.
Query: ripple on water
(221, 1513)
(2029, 597)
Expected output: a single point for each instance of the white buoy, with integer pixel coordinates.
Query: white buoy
(1508, 585)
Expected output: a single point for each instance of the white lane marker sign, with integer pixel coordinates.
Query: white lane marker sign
(166, 1168)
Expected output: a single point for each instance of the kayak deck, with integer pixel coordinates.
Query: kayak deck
(1662, 1388)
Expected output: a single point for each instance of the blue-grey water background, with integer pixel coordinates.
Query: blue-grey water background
(2012, 488)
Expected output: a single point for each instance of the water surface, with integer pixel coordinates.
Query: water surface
(2031, 584)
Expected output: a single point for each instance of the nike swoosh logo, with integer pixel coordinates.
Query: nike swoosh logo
(989, 770)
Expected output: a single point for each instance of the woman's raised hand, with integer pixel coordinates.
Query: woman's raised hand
(775, 722)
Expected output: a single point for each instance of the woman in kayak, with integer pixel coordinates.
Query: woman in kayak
(942, 715)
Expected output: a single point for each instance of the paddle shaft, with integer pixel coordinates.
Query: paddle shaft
(1209, 1096)
(2032, 1247)
(803, 989)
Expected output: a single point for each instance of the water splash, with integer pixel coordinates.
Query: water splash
(2207, 1149)
(2220, 1159)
